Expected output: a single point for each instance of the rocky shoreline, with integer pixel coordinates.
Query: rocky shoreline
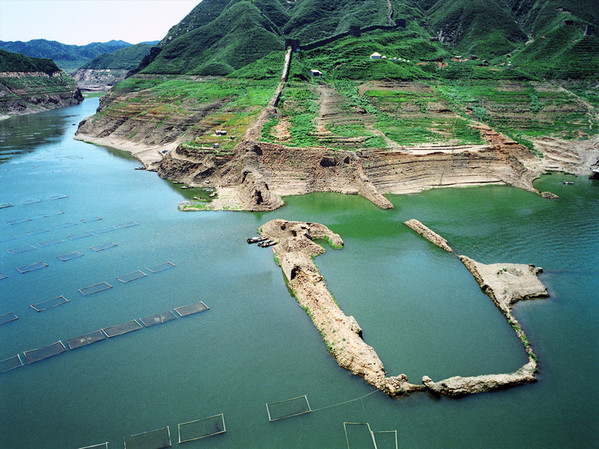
(505, 284)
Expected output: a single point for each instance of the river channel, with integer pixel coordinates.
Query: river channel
(418, 307)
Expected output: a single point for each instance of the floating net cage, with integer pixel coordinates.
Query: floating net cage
(192, 309)
(32, 267)
(70, 256)
(162, 267)
(23, 249)
(18, 221)
(91, 219)
(153, 439)
(37, 231)
(131, 276)
(5, 205)
(35, 355)
(86, 339)
(8, 238)
(58, 197)
(120, 329)
(79, 236)
(127, 225)
(159, 318)
(7, 318)
(96, 446)
(104, 230)
(103, 246)
(52, 214)
(10, 363)
(68, 224)
(202, 428)
(96, 288)
(288, 408)
(361, 436)
(50, 243)
(45, 305)
(31, 201)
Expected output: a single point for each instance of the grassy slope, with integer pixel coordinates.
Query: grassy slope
(124, 59)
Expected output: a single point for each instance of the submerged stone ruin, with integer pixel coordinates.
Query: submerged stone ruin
(505, 284)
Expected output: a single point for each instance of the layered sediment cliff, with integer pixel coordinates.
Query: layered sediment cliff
(29, 92)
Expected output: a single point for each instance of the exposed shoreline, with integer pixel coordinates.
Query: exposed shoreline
(505, 284)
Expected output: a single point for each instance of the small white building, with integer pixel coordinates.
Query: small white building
(375, 55)
(314, 72)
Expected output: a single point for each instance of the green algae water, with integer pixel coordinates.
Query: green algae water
(418, 306)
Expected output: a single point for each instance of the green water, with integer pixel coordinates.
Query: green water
(419, 308)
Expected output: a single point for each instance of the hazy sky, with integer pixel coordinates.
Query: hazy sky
(83, 21)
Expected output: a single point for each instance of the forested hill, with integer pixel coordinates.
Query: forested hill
(220, 36)
(16, 62)
(67, 57)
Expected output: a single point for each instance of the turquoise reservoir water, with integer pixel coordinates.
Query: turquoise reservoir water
(419, 308)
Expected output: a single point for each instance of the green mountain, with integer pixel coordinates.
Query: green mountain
(16, 62)
(126, 58)
(543, 37)
(67, 57)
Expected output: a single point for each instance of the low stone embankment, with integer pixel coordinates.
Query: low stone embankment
(504, 283)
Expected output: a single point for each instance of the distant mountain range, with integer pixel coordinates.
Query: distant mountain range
(221, 36)
(71, 57)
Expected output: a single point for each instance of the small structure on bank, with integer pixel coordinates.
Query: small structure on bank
(375, 55)
(314, 72)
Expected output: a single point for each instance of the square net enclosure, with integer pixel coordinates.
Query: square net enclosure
(202, 428)
(120, 329)
(359, 436)
(131, 276)
(153, 439)
(35, 355)
(103, 246)
(10, 363)
(288, 408)
(162, 267)
(96, 446)
(32, 267)
(191, 309)
(159, 318)
(85, 339)
(8, 317)
(70, 256)
(96, 288)
(45, 305)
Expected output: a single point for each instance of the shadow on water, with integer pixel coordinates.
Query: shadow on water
(24, 134)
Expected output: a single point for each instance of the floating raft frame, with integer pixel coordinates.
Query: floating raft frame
(32, 267)
(153, 439)
(7, 318)
(121, 329)
(68, 224)
(131, 276)
(91, 219)
(96, 446)
(70, 256)
(5, 205)
(129, 224)
(79, 236)
(191, 309)
(49, 304)
(3, 276)
(11, 363)
(162, 267)
(158, 318)
(19, 221)
(86, 339)
(104, 230)
(96, 288)
(9, 238)
(202, 428)
(50, 243)
(37, 231)
(23, 249)
(45, 352)
(288, 408)
(103, 246)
